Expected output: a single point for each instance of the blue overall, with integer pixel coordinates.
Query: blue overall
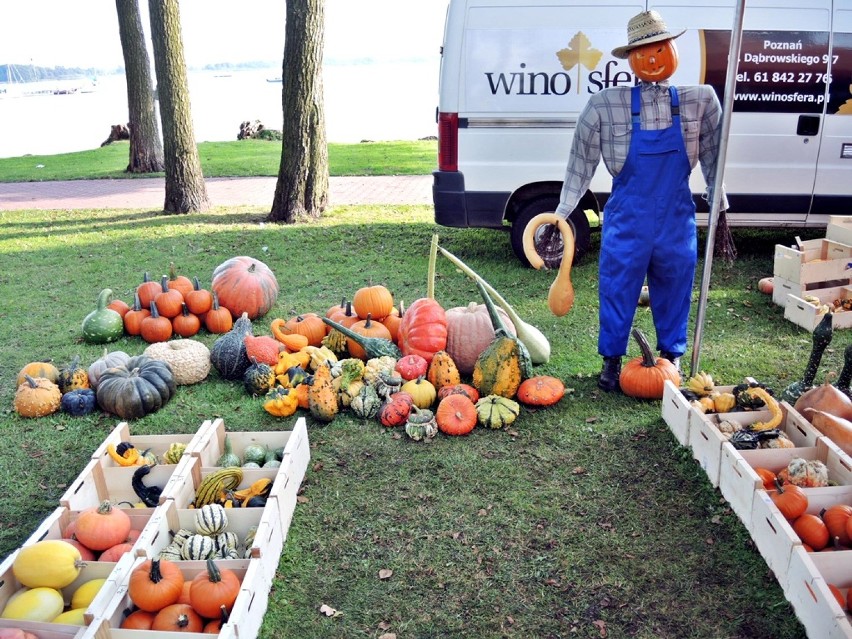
(649, 230)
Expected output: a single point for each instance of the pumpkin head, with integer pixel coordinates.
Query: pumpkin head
(245, 285)
(645, 376)
(375, 301)
(655, 61)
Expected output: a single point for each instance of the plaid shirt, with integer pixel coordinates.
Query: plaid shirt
(604, 129)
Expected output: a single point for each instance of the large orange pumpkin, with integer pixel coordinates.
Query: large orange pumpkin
(645, 376)
(655, 61)
(375, 300)
(245, 285)
(423, 329)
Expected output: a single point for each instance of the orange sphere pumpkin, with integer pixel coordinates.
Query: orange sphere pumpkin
(654, 62)
(245, 285)
(368, 328)
(308, 324)
(645, 376)
(373, 300)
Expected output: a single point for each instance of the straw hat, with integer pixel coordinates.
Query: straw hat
(645, 28)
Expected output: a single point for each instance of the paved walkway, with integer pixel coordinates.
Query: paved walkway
(148, 193)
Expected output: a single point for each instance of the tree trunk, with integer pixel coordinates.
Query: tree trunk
(302, 187)
(186, 191)
(146, 149)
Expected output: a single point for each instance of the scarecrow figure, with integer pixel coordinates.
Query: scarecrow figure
(650, 137)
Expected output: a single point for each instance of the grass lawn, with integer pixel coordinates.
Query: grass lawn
(583, 520)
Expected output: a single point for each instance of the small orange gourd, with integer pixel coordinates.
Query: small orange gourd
(541, 390)
(456, 415)
(443, 371)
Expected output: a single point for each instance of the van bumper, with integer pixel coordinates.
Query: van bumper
(459, 208)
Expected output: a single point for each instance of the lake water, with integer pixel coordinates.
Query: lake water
(381, 101)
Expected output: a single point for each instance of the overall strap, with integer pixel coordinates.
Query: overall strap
(675, 102)
(635, 105)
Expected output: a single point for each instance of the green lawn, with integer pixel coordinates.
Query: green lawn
(583, 520)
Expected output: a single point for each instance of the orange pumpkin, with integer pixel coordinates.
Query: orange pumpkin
(836, 518)
(180, 283)
(119, 306)
(368, 328)
(767, 477)
(645, 376)
(655, 61)
(456, 415)
(541, 390)
(148, 290)
(133, 318)
(178, 618)
(459, 389)
(138, 620)
(245, 285)
(102, 527)
(393, 320)
(218, 319)
(423, 330)
(212, 589)
(114, 553)
(376, 301)
(308, 324)
(791, 500)
(155, 584)
(811, 530)
(169, 300)
(186, 324)
(198, 300)
(263, 348)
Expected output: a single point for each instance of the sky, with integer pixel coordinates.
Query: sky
(85, 34)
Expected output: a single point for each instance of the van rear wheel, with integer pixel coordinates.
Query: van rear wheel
(548, 240)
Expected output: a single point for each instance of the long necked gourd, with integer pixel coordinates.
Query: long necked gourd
(535, 341)
(560, 298)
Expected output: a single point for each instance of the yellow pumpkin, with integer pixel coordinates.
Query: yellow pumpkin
(422, 391)
(35, 604)
(655, 61)
(51, 562)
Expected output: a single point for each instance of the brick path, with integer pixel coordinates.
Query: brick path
(148, 193)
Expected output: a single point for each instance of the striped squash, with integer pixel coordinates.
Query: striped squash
(197, 547)
(211, 519)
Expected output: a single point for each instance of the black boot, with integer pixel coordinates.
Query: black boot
(610, 373)
(674, 359)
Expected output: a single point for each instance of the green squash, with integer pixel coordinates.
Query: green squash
(822, 335)
(228, 459)
(103, 324)
(228, 353)
(254, 454)
(367, 403)
(258, 378)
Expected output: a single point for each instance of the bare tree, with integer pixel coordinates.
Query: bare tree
(146, 149)
(186, 191)
(302, 187)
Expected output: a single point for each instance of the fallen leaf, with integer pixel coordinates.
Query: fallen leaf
(591, 420)
(384, 625)
(318, 466)
(601, 624)
(385, 573)
(328, 611)
(482, 512)
(578, 470)
(510, 620)
(388, 635)
(302, 499)
(709, 541)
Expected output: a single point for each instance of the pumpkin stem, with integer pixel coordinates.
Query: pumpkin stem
(649, 360)
(213, 572)
(430, 278)
(196, 285)
(103, 298)
(155, 575)
(105, 507)
(496, 320)
(182, 621)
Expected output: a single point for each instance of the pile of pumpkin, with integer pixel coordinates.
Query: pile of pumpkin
(178, 306)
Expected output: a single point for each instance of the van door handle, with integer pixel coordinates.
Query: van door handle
(808, 125)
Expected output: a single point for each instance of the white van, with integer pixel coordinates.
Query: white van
(515, 75)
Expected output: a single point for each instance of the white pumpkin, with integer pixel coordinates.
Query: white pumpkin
(189, 359)
(107, 360)
(469, 332)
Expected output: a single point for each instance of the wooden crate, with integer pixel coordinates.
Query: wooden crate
(675, 410)
(212, 444)
(112, 572)
(158, 444)
(819, 260)
(253, 581)
(98, 482)
(808, 316)
(839, 229)
(782, 289)
(738, 480)
(807, 590)
(268, 539)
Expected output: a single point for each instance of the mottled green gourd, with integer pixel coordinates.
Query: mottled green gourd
(103, 324)
(505, 363)
(228, 459)
(421, 424)
(373, 346)
(822, 335)
(228, 353)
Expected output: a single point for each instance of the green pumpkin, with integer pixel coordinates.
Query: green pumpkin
(103, 324)
(254, 454)
(258, 378)
(140, 387)
(421, 424)
(228, 353)
(366, 404)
